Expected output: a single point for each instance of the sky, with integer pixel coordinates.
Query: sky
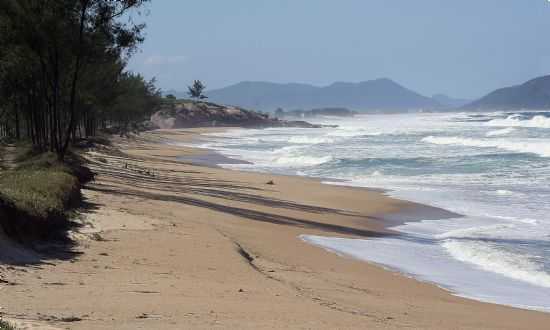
(462, 48)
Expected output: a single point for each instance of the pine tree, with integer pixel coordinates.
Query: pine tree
(196, 90)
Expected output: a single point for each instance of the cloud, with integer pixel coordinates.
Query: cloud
(162, 59)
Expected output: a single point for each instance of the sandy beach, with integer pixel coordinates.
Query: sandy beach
(172, 244)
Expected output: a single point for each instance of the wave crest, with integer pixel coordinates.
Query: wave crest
(299, 161)
(309, 140)
(541, 148)
(506, 263)
(500, 132)
(517, 121)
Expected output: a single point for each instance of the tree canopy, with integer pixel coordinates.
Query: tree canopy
(197, 89)
(63, 70)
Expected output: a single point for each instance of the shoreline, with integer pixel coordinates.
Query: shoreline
(167, 244)
(410, 212)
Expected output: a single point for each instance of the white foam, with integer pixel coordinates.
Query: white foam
(504, 203)
(353, 133)
(489, 231)
(516, 121)
(500, 132)
(298, 161)
(503, 192)
(515, 219)
(428, 262)
(539, 147)
(499, 261)
(309, 140)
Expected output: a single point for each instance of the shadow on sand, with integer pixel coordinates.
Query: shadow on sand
(46, 244)
(163, 186)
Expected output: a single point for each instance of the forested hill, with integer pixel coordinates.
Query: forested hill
(534, 95)
(379, 94)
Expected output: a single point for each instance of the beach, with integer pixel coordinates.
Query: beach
(168, 243)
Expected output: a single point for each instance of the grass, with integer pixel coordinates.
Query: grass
(4, 325)
(40, 186)
(37, 195)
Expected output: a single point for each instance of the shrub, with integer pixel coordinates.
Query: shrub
(39, 192)
(36, 196)
(4, 325)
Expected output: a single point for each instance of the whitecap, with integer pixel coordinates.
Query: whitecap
(300, 161)
(503, 192)
(477, 232)
(309, 140)
(488, 258)
(517, 121)
(539, 147)
(500, 132)
(350, 133)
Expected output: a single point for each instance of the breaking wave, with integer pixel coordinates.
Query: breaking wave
(541, 148)
(499, 132)
(309, 140)
(538, 121)
(509, 264)
(297, 161)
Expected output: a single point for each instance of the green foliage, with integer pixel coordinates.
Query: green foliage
(40, 186)
(5, 325)
(62, 69)
(136, 100)
(196, 90)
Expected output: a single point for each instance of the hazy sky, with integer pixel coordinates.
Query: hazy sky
(464, 48)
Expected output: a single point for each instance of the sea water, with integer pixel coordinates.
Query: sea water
(492, 168)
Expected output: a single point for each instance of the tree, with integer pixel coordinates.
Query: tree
(62, 67)
(136, 101)
(195, 91)
(279, 113)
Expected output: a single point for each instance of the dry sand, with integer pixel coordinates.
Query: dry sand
(169, 245)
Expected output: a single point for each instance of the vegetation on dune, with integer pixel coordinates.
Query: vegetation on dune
(63, 80)
(196, 90)
(5, 325)
(37, 195)
(40, 187)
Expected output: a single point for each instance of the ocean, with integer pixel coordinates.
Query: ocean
(492, 168)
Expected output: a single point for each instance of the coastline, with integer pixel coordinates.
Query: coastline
(205, 247)
(410, 212)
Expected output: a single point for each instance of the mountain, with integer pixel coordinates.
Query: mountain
(533, 95)
(379, 94)
(450, 102)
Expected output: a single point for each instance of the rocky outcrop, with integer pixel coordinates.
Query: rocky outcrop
(185, 114)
